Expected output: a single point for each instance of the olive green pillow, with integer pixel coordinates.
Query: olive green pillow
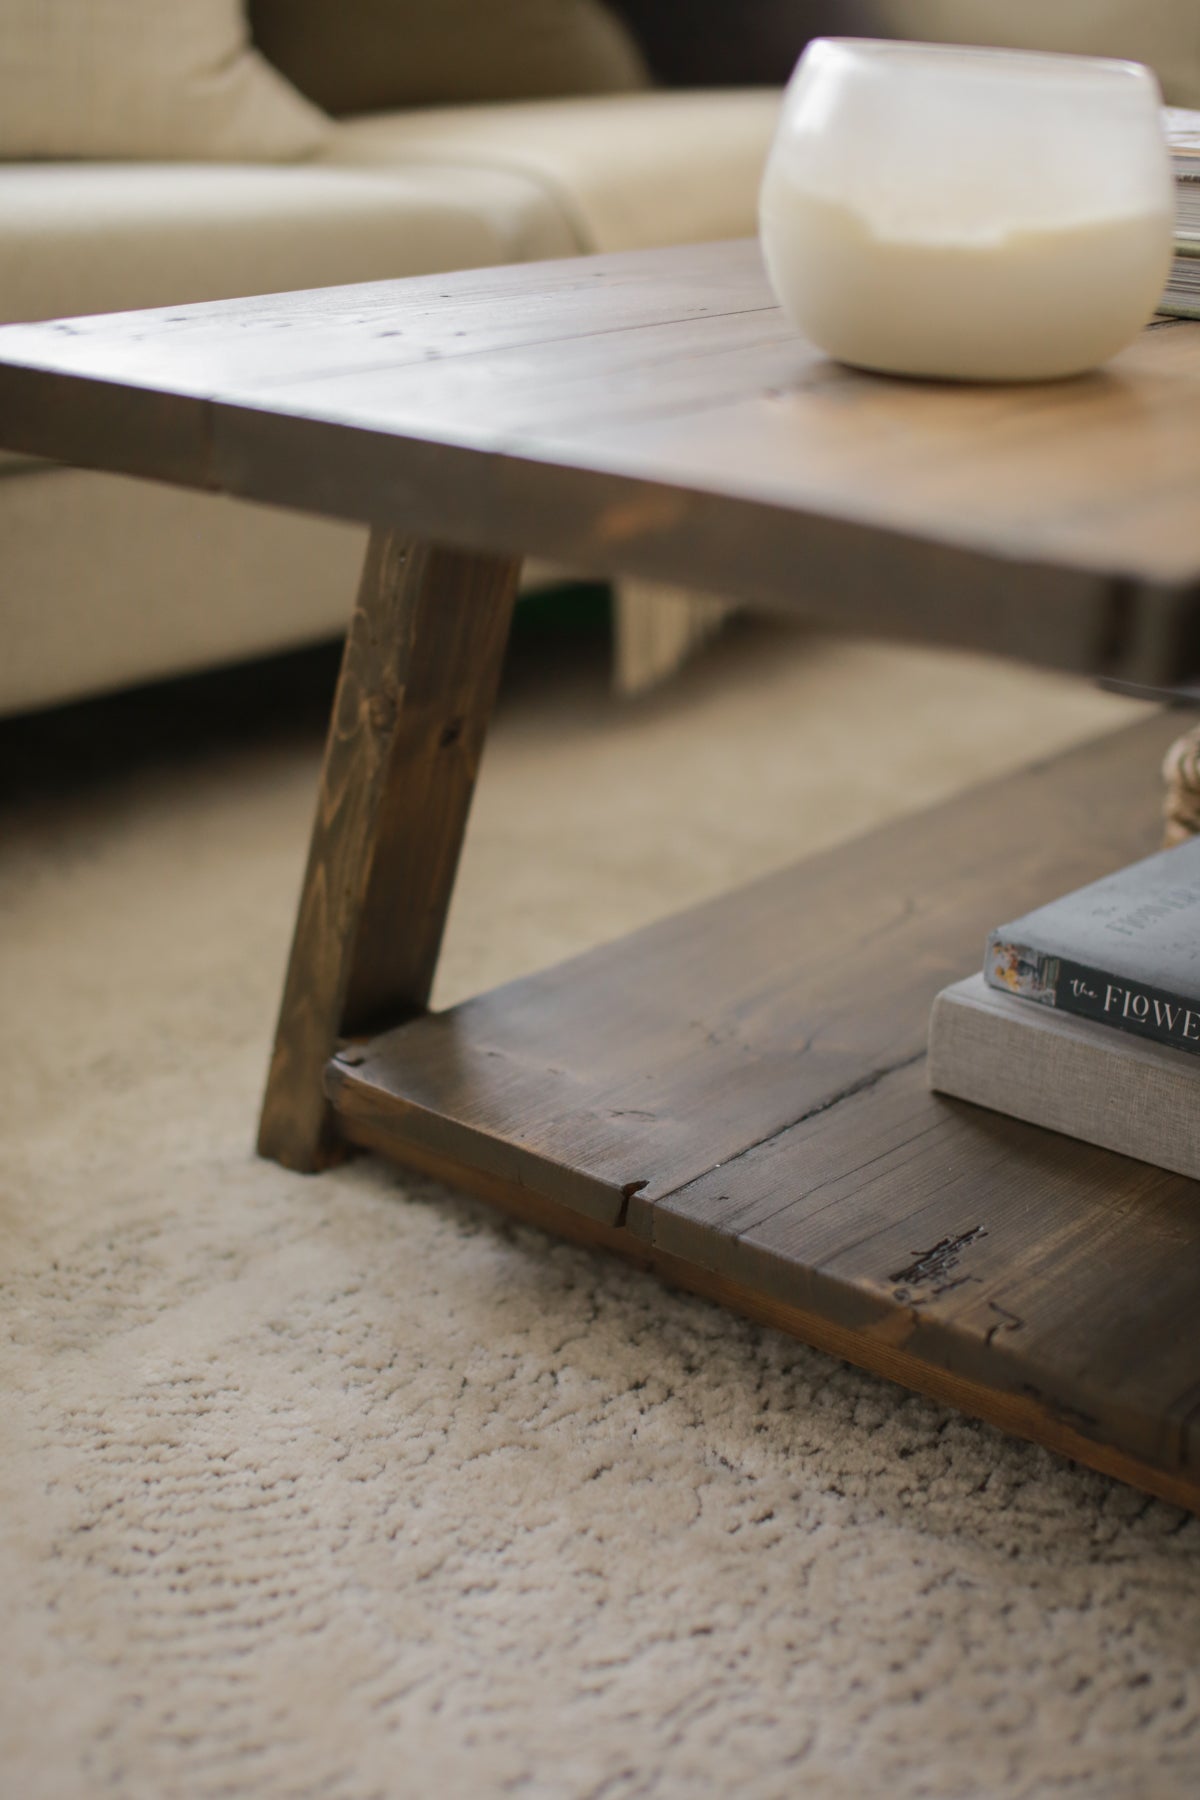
(356, 56)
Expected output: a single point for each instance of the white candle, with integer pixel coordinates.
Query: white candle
(964, 213)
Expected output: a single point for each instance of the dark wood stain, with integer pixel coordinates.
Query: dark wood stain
(653, 414)
(418, 680)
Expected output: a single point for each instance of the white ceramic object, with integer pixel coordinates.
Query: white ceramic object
(978, 215)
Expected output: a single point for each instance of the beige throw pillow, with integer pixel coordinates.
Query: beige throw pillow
(133, 79)
(1163, 33)
(360, 56)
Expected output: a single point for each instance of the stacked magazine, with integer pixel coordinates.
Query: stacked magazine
(1086, 1017)
(1182, 295)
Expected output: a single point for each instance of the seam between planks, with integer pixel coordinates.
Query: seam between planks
(864, 1083)
(465, 354)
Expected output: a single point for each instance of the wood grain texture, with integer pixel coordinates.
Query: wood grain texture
(652, 414)
(418, 679)
(788, 1158)
(643, 1064)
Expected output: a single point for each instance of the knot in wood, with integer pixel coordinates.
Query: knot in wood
(383, 710)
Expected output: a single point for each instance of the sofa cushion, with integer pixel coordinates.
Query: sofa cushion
(109, 237)
(1163, 33)
(110, 581)
(374, 55)
(142, 78)
(629, 170)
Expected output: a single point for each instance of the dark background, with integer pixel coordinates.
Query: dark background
(734, 43)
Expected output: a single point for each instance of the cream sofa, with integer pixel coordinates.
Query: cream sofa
(108, 581)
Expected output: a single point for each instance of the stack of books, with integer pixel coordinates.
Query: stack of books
(1086, 1017)
(1182, 295)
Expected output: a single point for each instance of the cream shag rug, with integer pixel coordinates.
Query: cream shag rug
(346, 1487)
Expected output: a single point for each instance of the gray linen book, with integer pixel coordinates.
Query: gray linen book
(1124, 951)
(1067, 1074)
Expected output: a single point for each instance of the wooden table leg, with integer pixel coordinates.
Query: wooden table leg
(418, 681)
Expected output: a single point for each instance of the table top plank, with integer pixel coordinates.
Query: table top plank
(654, 414)
(738, 405)
(811, 563)
(234, 348)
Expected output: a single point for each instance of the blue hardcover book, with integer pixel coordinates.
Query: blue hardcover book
(1124, 951)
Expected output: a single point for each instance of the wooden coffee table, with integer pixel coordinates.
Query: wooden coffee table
(734, 1097)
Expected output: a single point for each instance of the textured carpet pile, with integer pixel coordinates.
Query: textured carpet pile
(347, 1487)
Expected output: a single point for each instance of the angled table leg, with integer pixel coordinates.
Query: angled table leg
(418, 681)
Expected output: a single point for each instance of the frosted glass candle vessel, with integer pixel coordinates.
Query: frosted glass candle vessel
(979, 215)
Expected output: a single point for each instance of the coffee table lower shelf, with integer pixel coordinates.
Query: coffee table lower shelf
(736, 1098)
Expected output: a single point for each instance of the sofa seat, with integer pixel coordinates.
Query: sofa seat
(628, 170)
(394, 194)
(110, 237)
